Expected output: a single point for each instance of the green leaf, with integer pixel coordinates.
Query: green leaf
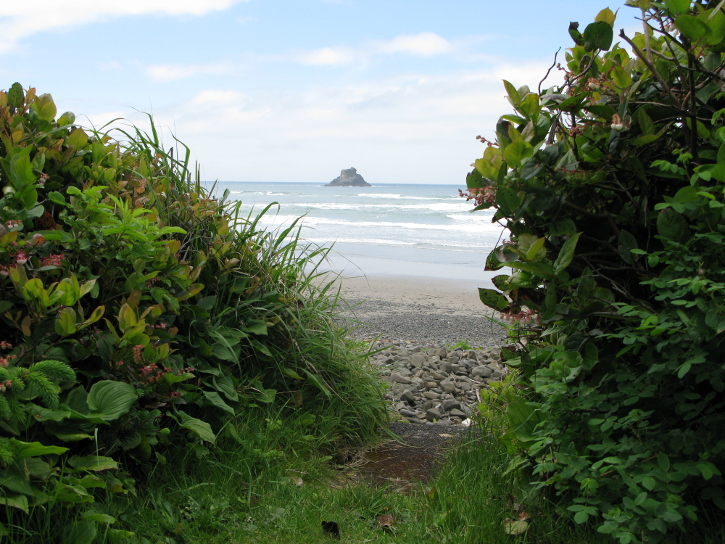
(692, 27)
(566, 254)
(19, 501)
(317, 382)
(23, 450)
(507, 201)
(65, 321)
(516, 152)
(45, 107)
(255, 326)
(80, 532)
(201, 428)
(673, 226)
(126, 317)
(493, 299)
(215, 400)
(621, 78)
(93, 463)
(678, 6)
(78, 138)
(598, 35)
(109, 400)
(607, 16)
(535, 249)
(663, 461)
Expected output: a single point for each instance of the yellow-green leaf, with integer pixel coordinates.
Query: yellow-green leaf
(126, 317)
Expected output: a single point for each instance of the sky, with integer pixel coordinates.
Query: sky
(296, 90)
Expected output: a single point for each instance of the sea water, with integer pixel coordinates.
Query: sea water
(385, 229)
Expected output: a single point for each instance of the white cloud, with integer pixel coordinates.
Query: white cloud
(425, 44)
(328, 56)
(172, 72)
(19, 20)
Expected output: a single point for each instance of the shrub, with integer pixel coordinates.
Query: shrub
(611, 186)
(139, 316)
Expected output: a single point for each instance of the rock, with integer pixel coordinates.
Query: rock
(407, 413)
(450, 404)
(448, 386)
(483, 371)
(407, 396)
(433, 414)
(348, 178)
(457, 413)
(432, 395)
(397, 378)
(417, 360)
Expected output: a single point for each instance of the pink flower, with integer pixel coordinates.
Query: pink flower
(53, 260)
(137, 356)
(5, 345)
(21, 257)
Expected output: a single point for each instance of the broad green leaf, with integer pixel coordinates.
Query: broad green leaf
(508, 201)
(692, 27)
(109, 400)
(621, 77)
(663, 461)
(673, 226)
(255, 326)
(493, 299)
(627, 243)
(566, 254)
(598, 36)
(23, 450)
(215, 400)
(93, 463)
(78, 138)
(607, 16)
(19, 501)
(513, 94)
(45, 107)
(678, 6)
(126, 317)
(82, 531)
(65, 322)
(536, 251)
(518, 151)
(201, 428)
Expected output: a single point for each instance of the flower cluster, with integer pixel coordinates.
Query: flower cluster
(5, 345)
(5, 360)
(137, 355)
(53, 260)
(4, 386)
(480, 195)
(522, 317)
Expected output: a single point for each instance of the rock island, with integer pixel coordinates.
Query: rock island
(348, 178)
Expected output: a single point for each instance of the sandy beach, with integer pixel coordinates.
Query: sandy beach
(417, 309)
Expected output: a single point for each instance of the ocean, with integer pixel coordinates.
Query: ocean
(386, 229)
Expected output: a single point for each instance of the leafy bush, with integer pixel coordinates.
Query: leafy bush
(611, 186)
(139, 316)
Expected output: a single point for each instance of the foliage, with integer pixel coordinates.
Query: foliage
(611, 186)
(140, 315)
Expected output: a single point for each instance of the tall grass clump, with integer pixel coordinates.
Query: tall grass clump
(143, 320)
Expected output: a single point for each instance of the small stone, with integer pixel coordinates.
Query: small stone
(407, 396)
(432, 395)
(454, 357)
(430, 385)
(432, 414)
(465, 386)
(397, 378)
(471, 355)
(407, 413)
(483, 371)
(417, 360)
(442, 353)
(448, 386)
(497, 374)
(457, 413)
(446, 367)
(450, 404)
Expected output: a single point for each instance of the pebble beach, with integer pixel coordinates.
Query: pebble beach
(433, 342)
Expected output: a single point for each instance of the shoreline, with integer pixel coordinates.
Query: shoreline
(431, 311)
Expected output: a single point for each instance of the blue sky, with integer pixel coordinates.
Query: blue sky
(296, 90)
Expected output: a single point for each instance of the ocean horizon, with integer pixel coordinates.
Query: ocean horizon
(422, 230)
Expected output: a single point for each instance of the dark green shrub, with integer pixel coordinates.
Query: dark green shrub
(612, 189)
(139, 316)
